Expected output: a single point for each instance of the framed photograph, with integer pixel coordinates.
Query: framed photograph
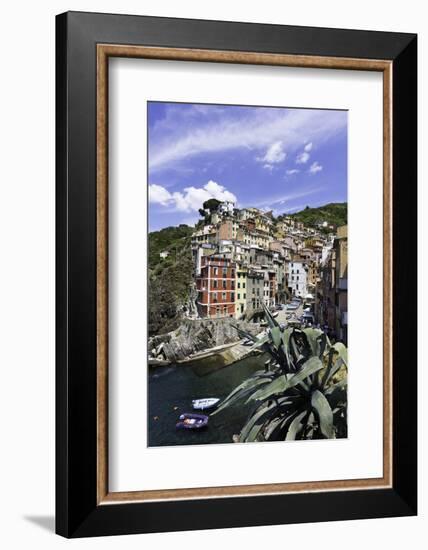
(236, 274)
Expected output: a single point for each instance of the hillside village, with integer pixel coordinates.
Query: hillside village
(243, 258)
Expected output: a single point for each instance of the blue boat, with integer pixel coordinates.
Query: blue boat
(191, 421)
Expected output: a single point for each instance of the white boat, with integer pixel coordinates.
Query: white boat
(207, 403)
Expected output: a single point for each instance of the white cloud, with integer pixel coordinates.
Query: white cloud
(274, 155)
(292, 171)
(315, 167)
(281, 199)
(302, 158)
(191, 198)
(159, 195)
(308, 147)
(174, 140)
(219, 192)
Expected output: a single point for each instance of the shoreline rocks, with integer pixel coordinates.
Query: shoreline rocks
(195, 335)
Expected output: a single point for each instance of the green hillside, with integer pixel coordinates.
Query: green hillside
(169, 278)
(335, 213)
(170, 239)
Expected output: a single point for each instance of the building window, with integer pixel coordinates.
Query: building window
(224, 271)
(215, 296)
(224, 283)
(232, 273)
(239, 296)
(239, 285)
(215, 270)
(245, 296)
(243, 285)
(223, 295)
(232, 296)
(214, 284)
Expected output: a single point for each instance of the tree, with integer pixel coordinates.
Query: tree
(211, 204)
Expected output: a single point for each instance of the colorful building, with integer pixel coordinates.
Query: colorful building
(241, 290)
(255, 288)
(297, 278)
(215, 286)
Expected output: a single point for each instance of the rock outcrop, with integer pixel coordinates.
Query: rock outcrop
(195, 335)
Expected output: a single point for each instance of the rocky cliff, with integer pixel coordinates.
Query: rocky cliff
(197, 335)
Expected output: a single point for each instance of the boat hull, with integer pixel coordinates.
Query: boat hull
(192, 422)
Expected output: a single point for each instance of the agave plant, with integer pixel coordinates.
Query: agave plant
(302, 391)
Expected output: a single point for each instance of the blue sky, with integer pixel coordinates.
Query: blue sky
(276, 159)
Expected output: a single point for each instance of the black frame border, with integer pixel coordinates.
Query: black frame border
(77, 512)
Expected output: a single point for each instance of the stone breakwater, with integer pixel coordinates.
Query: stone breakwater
(196, 335)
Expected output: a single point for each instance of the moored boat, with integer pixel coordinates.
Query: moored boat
(206, 403)
(190, 421)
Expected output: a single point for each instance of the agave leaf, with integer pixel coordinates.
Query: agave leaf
(286, 349)
(253, 427)
(260, 342)
(271, 413)
(339, 386)
(294, 349)
(275, 334)
(311, 337)
(272, 426)
(311, 366)
(337, 394)
(309, 428)
(283, 383)
(317, 340)
(342, 351)
(324, 414)
(270, 320)
(335, 367)
(249, 385)
(282, 429)
(276, 386)
(337, 356)
(296, 426)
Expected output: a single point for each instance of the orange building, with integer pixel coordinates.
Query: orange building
(216, 287)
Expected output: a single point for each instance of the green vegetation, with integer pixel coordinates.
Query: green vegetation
(169, 278)
(168, 239)
(335, 213)
(301, 394)
(211, 205)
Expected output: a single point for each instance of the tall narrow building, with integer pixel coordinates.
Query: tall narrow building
(216, 287)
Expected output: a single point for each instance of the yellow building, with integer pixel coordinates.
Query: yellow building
(240, 290)
(263, 223)
(263, 240)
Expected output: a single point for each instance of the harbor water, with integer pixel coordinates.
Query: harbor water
(170, 393)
